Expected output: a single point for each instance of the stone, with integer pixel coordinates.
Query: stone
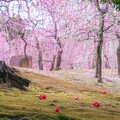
(21, 61)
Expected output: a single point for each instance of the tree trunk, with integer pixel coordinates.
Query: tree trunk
(107, 62)
(118, 59)
(58, 60)
(25, 49)
(99, 63)
(8, 75)
(52, 64)
(118, 52)
(40, 64)
(59, 55)
(99, 50)
(40, 61)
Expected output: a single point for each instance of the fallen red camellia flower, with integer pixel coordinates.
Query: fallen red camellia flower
(96, 104)
(76, 98)
(104, 91)
(42, 97)
(57, 110)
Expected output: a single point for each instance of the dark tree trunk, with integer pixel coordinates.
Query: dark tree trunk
(40, 59)
(8, 75)
(58, 60)
(107, 62)
(59, 55)
(99, 50)
(52, 64)
(118, 52)
(99, 63)
(71, 66)
(25, 49)
(118, 59)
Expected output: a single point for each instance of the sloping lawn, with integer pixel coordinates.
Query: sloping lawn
(15, 104)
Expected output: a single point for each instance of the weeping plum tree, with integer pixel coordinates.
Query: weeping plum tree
(100, 42)
(51, 8)
(102, 6)
(14, 26)
(102, 9)
(59, 54)
(117, 7)
(16, 29)
(118, 53)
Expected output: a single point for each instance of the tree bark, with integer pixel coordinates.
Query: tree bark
(99, 50)
(52, 64)
(59, 54)
(118, 52)
(40, 61)
(58, 61)
(8, 75)
(25, 49)
(40, 64)
(107, 62)
(118, 59)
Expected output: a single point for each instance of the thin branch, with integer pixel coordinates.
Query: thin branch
(107, 28)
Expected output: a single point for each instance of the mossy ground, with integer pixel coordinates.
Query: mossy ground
(16, 103)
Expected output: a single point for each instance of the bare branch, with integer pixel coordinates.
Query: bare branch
(107, 28)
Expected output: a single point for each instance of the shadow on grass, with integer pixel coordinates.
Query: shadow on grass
(16, 117)
(2, 116)
(42, 117)
(61, 117)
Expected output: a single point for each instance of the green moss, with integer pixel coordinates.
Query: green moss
(14, 102)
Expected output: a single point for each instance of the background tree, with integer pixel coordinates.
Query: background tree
(68, 34)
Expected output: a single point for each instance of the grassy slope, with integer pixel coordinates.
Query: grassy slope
(14, 102)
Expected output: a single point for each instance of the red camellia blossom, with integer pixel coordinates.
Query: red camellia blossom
(96, 104)
(104, 91)
(42, 97)
(76, 97)
(57, 110)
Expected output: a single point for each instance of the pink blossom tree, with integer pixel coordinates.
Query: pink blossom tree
(62, 34)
